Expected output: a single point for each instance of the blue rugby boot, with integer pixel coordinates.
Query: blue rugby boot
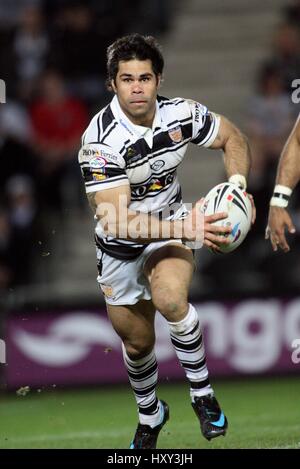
(213, 422)
(145, 436)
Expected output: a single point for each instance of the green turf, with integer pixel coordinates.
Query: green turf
(261, 413)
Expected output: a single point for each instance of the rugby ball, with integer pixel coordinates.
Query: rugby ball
(228, 197)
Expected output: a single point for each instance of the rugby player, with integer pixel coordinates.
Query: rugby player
(288, 175)
(129, 157)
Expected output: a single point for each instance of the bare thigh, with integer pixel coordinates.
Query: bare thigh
(170, 270)
(135, 326)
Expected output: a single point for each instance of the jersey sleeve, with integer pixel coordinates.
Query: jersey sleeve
(101, 167)
(205, 124)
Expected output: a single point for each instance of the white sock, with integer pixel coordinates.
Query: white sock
(143, 375)
(186, 336)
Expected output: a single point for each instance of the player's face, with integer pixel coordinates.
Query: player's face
(136, 86)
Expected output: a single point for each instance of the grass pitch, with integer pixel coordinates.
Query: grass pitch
(262, 413)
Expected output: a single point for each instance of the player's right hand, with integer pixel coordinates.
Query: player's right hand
(214, 235)
(278, 220)
(203, 226)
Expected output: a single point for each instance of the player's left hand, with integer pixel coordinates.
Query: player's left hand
(278, 220)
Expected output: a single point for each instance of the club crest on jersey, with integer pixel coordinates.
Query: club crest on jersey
(98, 162)
(175, 134)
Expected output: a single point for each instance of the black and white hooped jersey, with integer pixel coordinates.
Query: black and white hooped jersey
(116, 152)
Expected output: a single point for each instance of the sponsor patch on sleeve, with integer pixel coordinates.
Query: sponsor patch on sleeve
(97, 155)
(99, 177)
(98, 162)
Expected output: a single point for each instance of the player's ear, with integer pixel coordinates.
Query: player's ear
(113, 86)
(159, 80)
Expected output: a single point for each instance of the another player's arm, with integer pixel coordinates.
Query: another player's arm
(117, 220)
(288, 175)
(237, 154)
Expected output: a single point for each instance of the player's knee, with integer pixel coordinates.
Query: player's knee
(171, 305)
(138, 349)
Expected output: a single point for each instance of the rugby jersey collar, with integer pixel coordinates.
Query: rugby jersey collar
(138, 130)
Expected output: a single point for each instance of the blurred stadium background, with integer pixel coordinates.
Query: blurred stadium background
(63, 384)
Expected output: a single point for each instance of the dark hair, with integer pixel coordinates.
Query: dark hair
(133, 46)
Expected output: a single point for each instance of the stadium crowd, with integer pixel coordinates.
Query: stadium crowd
(52, 59)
